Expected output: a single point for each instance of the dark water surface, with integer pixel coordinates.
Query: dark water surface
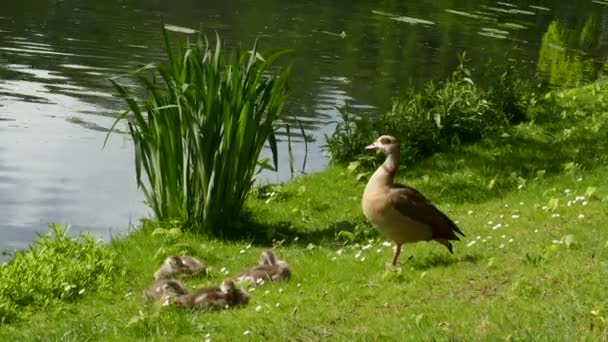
(56, 103)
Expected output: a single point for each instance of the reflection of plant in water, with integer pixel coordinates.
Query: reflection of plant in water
(563, 53)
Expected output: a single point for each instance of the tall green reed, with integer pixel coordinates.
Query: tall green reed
(199, 133)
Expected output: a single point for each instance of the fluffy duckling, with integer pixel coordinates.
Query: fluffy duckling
(180, 265)
(268, 268)
(399, 211)
(214, 298)
(165, 289)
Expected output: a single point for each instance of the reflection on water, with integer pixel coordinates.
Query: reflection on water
(56, 104)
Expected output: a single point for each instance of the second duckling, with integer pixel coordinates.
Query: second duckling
(268, 268)
(165, 289)
(214, 298)
(180, 265)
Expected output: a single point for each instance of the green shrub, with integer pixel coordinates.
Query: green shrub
(206, 119)
(56, 267)
(440, 115)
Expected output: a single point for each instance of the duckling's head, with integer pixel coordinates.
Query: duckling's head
(228, 286)
(385, 143)
(267, 258)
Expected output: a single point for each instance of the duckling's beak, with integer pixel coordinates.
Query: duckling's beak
(372, 147)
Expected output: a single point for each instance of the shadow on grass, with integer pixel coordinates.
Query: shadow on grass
(494, 167)
(440, 260)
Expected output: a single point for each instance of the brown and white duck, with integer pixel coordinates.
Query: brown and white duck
(225, 296)
(180, 265)
(400, 212)
(269, 268)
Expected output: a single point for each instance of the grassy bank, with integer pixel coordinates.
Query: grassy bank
(533, 266)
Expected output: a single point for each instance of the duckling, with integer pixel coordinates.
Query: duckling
(268, 268)
(165, 289)
(214, 298)
(176, 265)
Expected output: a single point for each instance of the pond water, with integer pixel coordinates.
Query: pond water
(56, 103)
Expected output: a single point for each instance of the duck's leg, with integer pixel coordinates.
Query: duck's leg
(396, 254)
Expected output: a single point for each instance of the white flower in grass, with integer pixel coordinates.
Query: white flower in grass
(581, 216)
(246, 332)
(362, 259)
(501, 216)
(81, 291)
(340, 251)
(570, 203)
(366, 247)
(503, 236)
(358, 255)
(471, 243)
(296, 238)
(457, 222)
(484, 241)
(489, 237)
(378, 250)
(207, 340)
(510, 240)
(585, 203)
(544, 207)
(536, 230)
(502, 245)
(277, 305)
(521, 203)
(260, 281)
(580, 179)
(515, 216)
(478, 237)
(470, 212)
(490, 222)
(555, 215)
(580, 198)
(281, 290)
(506, 224)
(242, 251)
(248, 246)
(520, 186)
(506, 205)
(386, 244)
(298, 284)
(556, 242)
(334, 258)
(567, 191)
(267, 292)
(258, 308)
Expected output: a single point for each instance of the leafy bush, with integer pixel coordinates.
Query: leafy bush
(205, 123)
(442, 114)
(56, 267)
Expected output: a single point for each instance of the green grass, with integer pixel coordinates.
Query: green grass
(540, 275)
(522, 286)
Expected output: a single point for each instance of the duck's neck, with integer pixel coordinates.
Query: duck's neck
(386, 172)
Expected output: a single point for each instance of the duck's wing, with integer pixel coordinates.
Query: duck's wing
(411, 203)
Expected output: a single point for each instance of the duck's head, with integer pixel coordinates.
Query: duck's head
(385, 143)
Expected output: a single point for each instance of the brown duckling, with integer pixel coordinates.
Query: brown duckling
(214, 298)
(268, 268)
(180, 265)
(165, 289)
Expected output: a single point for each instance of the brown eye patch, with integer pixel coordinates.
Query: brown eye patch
(385, 141)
